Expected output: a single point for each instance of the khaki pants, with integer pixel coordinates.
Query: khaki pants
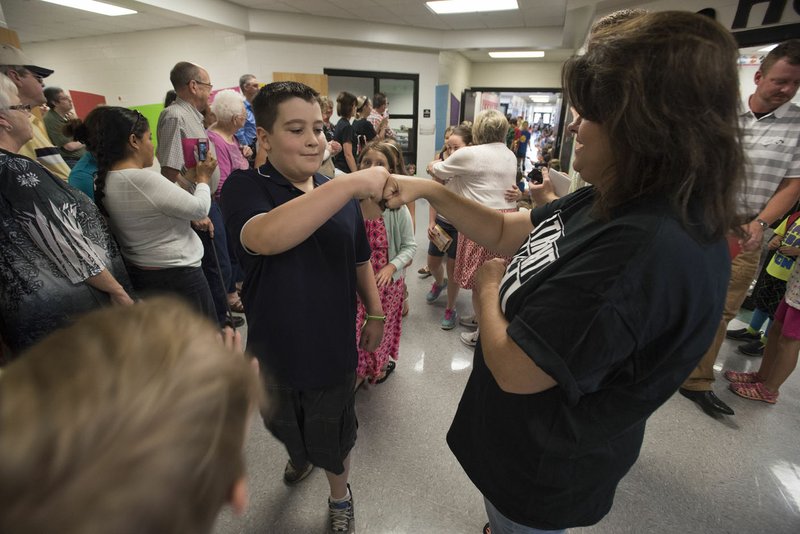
(743, 271)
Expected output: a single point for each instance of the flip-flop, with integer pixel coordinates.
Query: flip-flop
(487, 529)
(386, 372)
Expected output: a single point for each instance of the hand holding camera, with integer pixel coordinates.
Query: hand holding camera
(205, 168)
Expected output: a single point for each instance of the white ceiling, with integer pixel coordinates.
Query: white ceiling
(556, 26)
(34, 20)
(531, 13)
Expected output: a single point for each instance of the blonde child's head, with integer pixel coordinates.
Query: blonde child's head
(383, 153)
(131, 420)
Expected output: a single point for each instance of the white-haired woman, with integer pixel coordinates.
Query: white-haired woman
(228, 106)
(481, 172)
(57, 258)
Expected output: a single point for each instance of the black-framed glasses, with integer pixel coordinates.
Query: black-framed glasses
(204, 83)
(20, 107)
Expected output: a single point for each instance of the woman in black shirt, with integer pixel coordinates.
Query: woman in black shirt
(615, 291)
(345, 160)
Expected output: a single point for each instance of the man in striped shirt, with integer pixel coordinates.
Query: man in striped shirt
(771, 127)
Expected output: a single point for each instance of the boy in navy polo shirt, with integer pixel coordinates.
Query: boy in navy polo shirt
(301, 240)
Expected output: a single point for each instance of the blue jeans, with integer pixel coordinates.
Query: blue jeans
(503, 525)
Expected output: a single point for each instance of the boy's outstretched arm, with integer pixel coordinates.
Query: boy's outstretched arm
(293, 222)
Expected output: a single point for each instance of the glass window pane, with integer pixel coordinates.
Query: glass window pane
(400, 94)
(357, 86)
(402, 129)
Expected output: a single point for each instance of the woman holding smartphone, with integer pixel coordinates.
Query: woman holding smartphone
(149, 215)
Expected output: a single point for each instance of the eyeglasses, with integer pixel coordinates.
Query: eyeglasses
(203, 83)
(20, 107)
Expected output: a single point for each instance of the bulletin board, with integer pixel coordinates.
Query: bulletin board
(85, 102)
(318, 82)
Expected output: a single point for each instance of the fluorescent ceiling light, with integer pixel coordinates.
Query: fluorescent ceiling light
(446, 7)
(539, 98)
(94, 7)
(767, 48)
(517, 54)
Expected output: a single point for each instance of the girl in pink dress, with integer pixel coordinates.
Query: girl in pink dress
(391, 237)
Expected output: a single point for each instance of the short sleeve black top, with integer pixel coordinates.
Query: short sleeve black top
(618, 312)
(300, 304)
(343, 133)
(363, 133)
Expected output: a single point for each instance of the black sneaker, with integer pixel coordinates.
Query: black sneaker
(742, 335)
(754, 348)
(342, 515)
(235, 321)
(293, 475)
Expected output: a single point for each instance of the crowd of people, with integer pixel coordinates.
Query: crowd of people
(589, 311)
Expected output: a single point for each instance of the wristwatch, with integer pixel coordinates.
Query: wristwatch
(763, 223)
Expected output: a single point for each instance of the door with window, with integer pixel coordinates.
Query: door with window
(402, 94)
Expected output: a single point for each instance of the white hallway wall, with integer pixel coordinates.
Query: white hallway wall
(525, 74)
(268, 56)
(133, 68)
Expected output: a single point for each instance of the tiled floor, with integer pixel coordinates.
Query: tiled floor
(695, 474)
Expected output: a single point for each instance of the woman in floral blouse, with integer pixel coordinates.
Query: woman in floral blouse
(57, 258)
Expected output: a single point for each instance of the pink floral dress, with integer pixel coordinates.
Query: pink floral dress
(371, 364)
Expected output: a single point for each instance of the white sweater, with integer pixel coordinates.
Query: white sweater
(481, 173)
(150, 217)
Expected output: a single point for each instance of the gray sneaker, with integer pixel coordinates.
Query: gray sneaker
(435, 291)
(342, 515)
(293, 475)
(468, 321)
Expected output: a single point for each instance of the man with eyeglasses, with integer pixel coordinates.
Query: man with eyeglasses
(55, 119)
(28, 79)
(183, 119)
(248, 84)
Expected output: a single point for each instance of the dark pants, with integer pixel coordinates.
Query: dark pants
(218, 277)
(186, 282)
(237, 274)
(316, 425)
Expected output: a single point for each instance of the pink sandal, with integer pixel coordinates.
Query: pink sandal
(742, 378)
(755, 391)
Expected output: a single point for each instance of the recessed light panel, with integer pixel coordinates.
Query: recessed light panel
(94, 7)
(517, 54)
(447, 7)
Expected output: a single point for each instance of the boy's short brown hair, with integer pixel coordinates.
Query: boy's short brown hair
(271, 96)
(131, 420)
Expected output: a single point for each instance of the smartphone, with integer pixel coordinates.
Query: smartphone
(535, 175)
(202, 149)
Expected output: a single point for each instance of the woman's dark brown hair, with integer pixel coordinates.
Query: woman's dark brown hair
(106, 132)
(665, 87)
(345, 104)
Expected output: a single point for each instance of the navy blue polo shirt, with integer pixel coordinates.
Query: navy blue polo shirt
(300, 304)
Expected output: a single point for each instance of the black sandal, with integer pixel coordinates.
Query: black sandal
(386, 372)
